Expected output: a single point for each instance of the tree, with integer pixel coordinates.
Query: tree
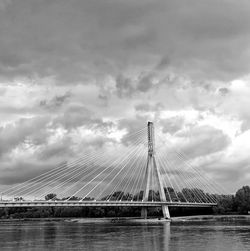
(50, 196)
(242, 199)
(225, 204)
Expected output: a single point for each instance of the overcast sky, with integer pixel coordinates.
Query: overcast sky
(74, 73)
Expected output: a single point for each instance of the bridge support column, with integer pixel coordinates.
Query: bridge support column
(144, 213)
(165, 212)
(6, 212)
(153, 165)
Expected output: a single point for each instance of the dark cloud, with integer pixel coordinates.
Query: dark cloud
(73, 117)
(76, 40)
(128, 87)
(21, 171)
(163, 64)
(55, 102)
(77, 115)
(172, 125)
(132, 126)
(146, 107)
(227, 172)
(145, 83)
(245, 124)
(97, 143)
(4, 4)
(203, 140)
(33, 130)
(59, 149)
(224, 91)
(103, 97)
(125, 86)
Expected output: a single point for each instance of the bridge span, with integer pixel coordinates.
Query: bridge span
(135, 172)
(9, 204)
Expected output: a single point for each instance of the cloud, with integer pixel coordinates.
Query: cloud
(79, 40)
(57, 149)
(224, 91)
(146, 107)
(15, 134)
(75, 73)
(125, 86)
(145, 83)
(227, 171)
(172, 125)
(56, 102)
(75, 116)
(202, 140)
(135, 130)
(21, 171)
(4, 4)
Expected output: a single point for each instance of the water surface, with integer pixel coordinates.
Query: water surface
(39, 235)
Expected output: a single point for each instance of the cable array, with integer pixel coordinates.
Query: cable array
(118, 173)
(182, 181)
(96, 175)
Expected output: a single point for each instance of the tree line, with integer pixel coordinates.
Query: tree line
(238, 203)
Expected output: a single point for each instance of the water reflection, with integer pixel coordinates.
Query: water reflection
(206, 236)
(109, 236)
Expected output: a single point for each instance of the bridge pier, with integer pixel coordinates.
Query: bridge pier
(165, 211)
(144, 213)
(6, 212)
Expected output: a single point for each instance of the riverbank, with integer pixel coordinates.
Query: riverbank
(89, 220)
(211, 218)
(136, 219)
(160, 220)
(119, 220)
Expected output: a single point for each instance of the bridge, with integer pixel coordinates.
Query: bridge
(132, 172)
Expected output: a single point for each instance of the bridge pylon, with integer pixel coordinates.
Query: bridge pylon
(152, 167)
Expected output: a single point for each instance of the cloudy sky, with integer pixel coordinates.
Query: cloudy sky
(74, 74)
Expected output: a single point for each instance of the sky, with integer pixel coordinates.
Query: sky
(77, 74)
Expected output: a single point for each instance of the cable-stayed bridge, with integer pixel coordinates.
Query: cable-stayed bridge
(138, 171)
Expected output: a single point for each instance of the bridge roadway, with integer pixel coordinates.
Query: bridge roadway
(7, 204)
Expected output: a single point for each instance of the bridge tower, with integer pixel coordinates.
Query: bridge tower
(152, 165)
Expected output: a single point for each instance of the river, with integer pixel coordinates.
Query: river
(61, 235)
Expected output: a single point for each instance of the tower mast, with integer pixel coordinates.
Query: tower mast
(152, 165)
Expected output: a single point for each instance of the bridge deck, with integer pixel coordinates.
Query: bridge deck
(100, 204)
